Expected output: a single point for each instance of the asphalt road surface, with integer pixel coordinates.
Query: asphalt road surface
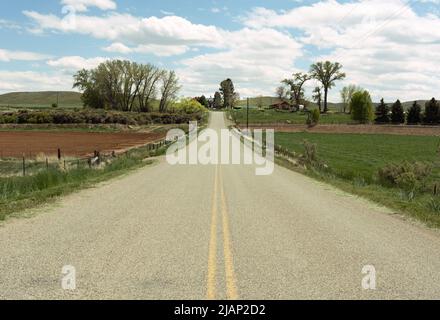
(216, 232)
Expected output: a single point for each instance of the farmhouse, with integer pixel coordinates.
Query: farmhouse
(281, 106)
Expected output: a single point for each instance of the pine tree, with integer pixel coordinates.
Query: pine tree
(431, 112)
(415, 114)
(397, 113)
(382, 113)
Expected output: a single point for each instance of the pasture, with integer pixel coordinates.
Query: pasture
(362, 155)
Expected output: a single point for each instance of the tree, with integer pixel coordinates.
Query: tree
(148, 90)
(281, 93)
(203, 101)
(91, 96)
(317, 97)
(346, 95)
(117, 85)
(327, 73)
(397, 113)
(431, 112)
(296, 85)
(217, 100)
(169, 89)
(415, 114)
(382, 113)
(362, 107)
(228, 91)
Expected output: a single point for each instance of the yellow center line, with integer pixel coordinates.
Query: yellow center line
(231, 282)
(212, 259)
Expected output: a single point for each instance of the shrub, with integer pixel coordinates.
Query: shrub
(362, 107)
(315, 114)
(99, 117)
(310, 156)
(54, 105)
(189, 106)
(407, 176)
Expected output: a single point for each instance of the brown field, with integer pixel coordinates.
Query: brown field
(361, 129)
(72, 144)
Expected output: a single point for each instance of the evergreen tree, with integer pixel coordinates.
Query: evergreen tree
(382, 113)
(415, 114)
(431, 112)
(397, 113)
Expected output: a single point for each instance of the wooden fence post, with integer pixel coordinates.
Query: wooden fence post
(24, 166)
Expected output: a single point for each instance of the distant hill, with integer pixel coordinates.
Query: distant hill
(66, 99)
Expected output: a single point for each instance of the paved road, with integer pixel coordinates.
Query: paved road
(216, 232)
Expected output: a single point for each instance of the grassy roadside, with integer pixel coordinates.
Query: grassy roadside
(420, 208)
(353, 161)
(21, 193)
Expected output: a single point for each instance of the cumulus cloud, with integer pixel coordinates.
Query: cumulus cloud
(157, 50)
(83, 5)
(74, 63)
(255, 59)
(385, 46)
(8, 55)
(34, 81)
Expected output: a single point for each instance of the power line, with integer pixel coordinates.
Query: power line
(385, 22)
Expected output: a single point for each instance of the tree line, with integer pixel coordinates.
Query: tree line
(127, 86)
(362, 110)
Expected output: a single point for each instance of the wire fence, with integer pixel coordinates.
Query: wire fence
(30, 164)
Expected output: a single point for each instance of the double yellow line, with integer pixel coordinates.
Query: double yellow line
(231, 282)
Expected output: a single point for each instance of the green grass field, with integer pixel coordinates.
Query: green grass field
(40, 100)
(357, 155)
(274, 117)
(354, 160)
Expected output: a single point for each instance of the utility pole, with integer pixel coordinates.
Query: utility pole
(247, 114)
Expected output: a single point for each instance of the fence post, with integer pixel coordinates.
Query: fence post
(59, 154)
(47, 164)
(24, 167)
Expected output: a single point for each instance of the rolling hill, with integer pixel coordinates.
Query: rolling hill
(44, 99)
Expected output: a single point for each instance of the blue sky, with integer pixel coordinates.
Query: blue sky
(390, 48)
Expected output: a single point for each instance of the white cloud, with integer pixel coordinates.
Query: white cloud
(131, 30)
(83, 5)
(74, 63)
(157, 50)
(256, 60)
(34, 81)
(385, 46)
(8, 55)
